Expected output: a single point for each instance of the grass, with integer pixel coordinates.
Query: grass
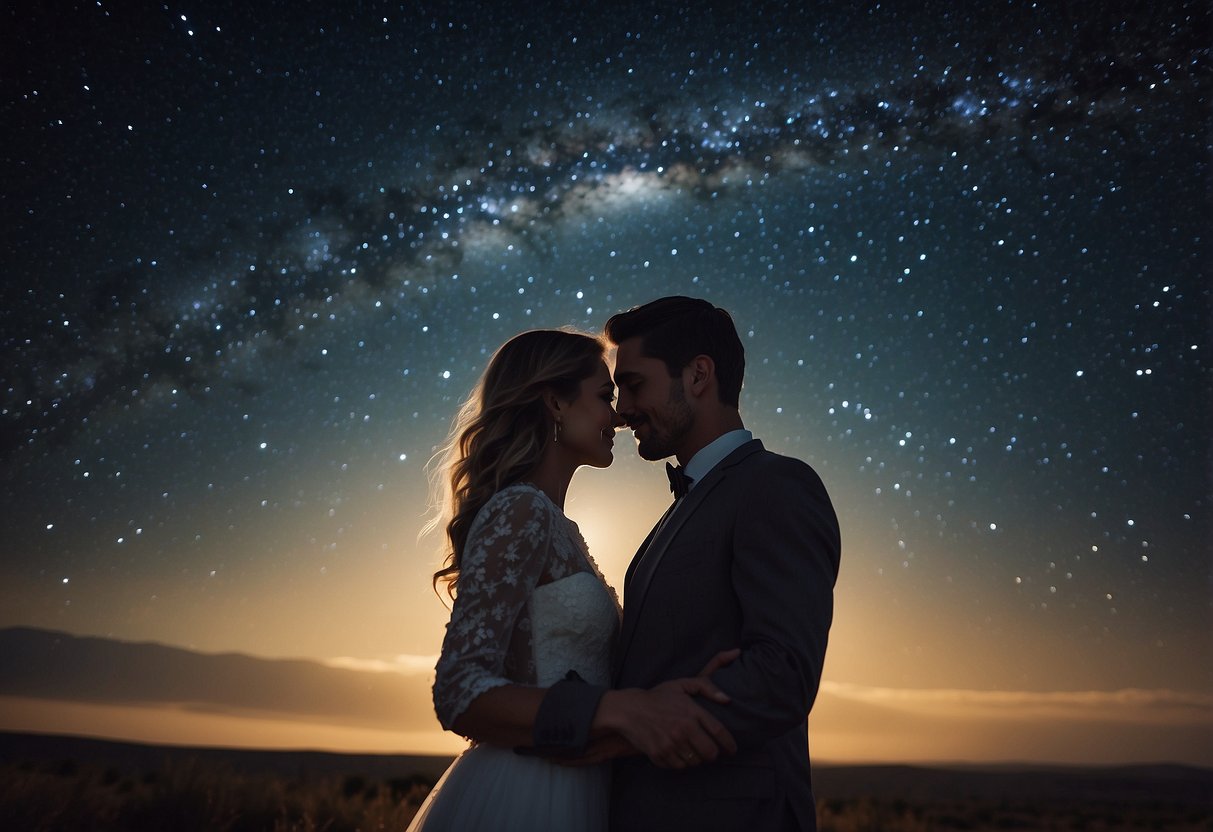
(184, 793)
(871, 815)
(188, 795)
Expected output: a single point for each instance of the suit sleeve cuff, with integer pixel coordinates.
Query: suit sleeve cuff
(562, 725)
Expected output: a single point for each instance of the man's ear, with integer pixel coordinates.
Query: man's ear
(699, 375)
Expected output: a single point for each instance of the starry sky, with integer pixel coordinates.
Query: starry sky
(255, 255)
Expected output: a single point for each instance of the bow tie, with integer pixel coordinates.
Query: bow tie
(680, 483)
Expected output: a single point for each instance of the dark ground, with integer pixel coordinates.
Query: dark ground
(57, 782)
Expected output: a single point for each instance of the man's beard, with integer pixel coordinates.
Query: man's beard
(678, 419)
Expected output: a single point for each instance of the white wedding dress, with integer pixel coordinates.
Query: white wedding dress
(531, 606)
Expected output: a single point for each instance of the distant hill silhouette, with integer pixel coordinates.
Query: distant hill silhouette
(18, 748)
(1125, 786)
(51, 665)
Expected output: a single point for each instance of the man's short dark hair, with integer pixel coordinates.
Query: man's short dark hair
(676, 329)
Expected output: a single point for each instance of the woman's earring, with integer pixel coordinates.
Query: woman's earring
(556, 431)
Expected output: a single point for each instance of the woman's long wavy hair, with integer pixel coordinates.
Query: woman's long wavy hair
(500, 432)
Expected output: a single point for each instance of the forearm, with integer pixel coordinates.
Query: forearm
(616, 710)
(783, 572)
(603, 750)
(578, 713)
(773, 684)
(514, 716)
(666, 723)
(771, 693)
(502, 716)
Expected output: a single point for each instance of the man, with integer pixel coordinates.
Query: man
(746, 557)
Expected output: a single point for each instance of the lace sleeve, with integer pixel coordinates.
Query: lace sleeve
(503, 560)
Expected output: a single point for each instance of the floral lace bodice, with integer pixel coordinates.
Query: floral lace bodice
(517, 616)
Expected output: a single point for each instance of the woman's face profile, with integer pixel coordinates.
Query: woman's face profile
(587, 427)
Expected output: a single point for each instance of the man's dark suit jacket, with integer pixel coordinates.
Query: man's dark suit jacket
(748, 559)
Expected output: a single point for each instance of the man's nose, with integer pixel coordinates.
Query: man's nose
(623, 404)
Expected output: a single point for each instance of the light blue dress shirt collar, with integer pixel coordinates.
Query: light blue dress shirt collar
(710, 455)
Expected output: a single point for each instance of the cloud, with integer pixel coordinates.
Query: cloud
(164, 724)
(57, 683)
(404, 664)
(38, 664)
(1129, 705)
(863, 724)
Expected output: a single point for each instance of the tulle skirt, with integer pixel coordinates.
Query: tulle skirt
(490, 788)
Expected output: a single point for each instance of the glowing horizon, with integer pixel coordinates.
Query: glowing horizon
(907, 734)
(850, 723)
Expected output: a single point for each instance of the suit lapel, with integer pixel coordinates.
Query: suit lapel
(627, 578)
(648, 558)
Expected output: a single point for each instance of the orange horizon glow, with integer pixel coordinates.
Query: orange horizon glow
(902, 683)
(850, 725)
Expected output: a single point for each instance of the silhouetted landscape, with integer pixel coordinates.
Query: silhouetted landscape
(59, 666)
(66, 783)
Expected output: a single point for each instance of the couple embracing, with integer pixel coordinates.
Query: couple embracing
(687, 710)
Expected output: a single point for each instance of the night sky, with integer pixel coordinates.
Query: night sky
(255, 255)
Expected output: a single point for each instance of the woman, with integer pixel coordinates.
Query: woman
(529, 603)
